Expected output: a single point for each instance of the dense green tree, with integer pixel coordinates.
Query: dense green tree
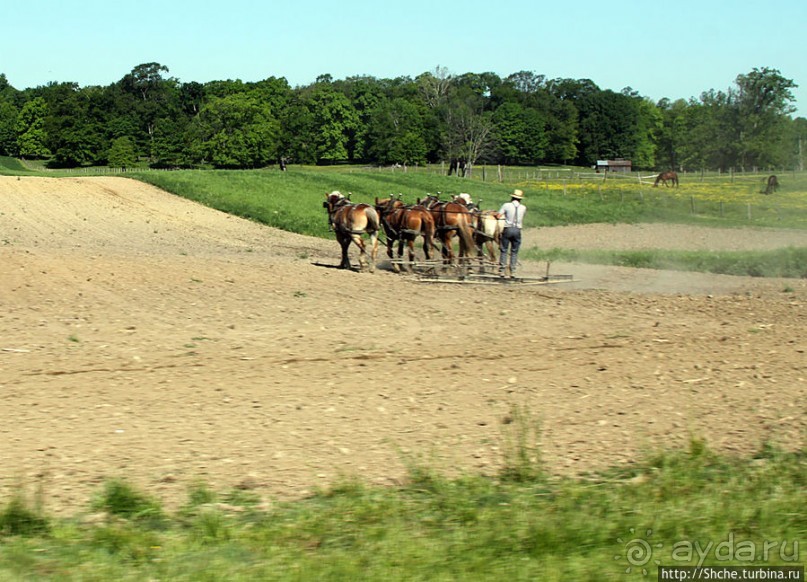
(335, 120)
(763, 101)
(365, 93)
(519, 134)
(616, 125)
(8, 129)
(31, 134)
(523, 118)
(526, 82)
(396, 133)
(797, 133)
(75, 129)
(122, 153)
(191, 97)
(671, 135)
(562, 130)
(557, 140)
(146, 99)
(235, 132)
(298, 140)
(710, 134)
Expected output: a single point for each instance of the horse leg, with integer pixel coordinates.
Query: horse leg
(344, 242)
(373, 250)
(400, 253)
(410, 244)
(448, 248)
(491, 251)
(357, 240)
(395, 266)
(427, 246)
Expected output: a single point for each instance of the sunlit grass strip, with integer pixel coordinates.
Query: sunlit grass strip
(790, 262)
(535, 527)
(11, 166)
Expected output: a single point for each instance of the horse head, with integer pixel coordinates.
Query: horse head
(334, 200)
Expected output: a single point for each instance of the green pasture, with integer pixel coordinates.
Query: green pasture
(11, 167)
(292, 201)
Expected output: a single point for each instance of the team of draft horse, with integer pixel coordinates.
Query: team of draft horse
(433, 220)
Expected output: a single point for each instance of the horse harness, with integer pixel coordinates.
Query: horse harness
(342, 202)
(394, 233)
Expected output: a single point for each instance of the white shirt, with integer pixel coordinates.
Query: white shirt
(513, 212)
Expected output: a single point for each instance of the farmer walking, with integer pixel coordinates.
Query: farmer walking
(513, 213)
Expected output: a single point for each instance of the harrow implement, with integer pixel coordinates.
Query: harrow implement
(473, 272)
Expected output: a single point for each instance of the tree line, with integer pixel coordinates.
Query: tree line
(150, 118)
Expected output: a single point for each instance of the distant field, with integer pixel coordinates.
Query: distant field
(556, 196)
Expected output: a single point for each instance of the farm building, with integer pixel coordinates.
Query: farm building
(617, 165)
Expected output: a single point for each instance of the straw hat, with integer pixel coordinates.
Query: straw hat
(517, 194)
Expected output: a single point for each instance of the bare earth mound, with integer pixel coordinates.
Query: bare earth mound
(147, 337)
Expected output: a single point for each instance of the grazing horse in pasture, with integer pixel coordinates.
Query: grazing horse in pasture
(772, 185)
(665, 177)
(451, 218)
(349, 221)
(404, 223)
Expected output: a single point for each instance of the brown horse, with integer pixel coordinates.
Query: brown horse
(350, 221)
(665, 177)
(451, 218)
(404, 223)
(487, 227)
(772, 185)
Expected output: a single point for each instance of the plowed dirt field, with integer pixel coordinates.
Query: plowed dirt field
(144, 336)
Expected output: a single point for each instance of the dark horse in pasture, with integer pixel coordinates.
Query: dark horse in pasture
(772, 185)
(665, 177)
(350, 221)
(451, 218)
(403, 223)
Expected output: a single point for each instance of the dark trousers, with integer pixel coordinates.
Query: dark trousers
(511, 241)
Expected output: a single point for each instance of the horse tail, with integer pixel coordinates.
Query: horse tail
(373, 221)
(429, 229)
(464, 231)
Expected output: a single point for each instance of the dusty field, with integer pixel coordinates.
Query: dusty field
(146, 337)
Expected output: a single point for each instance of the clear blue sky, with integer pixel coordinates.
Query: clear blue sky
(660, 49)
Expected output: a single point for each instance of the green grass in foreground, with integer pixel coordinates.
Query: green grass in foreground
(788, 262)
(520, 525)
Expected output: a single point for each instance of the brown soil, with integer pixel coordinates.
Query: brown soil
(144, 336)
